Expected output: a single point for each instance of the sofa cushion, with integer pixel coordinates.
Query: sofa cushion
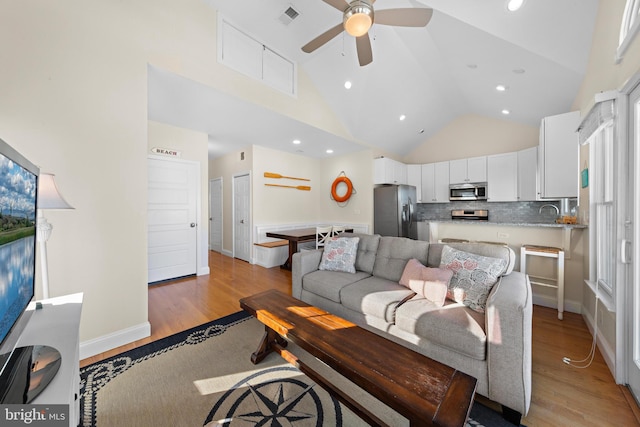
(453, 326)
(367, 248)
(328, 284)
(393, 254)
(340, 254)
(428, 282)
(484, 249)
(375, 296)
(473, 276)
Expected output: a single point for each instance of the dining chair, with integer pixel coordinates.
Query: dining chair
(337, 229)
(322, 235)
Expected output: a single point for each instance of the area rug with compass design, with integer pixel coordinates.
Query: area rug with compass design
(204, 377)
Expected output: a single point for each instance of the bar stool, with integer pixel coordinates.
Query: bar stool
(557, 282)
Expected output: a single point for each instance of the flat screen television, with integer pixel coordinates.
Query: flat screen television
(18, 206)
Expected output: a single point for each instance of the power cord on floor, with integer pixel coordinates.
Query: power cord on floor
(592, 352)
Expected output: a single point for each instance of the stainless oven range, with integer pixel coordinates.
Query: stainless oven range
(471, 215)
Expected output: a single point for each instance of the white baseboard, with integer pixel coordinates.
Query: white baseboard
(551, 302)
(113, 340)
(203, 271)
(605, 347)
(227, 253)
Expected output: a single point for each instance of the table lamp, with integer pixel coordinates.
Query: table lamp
(48, 198)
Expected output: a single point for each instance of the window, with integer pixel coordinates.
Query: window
(597, 130)
(602, 202)
(629, 27)
(602, 221)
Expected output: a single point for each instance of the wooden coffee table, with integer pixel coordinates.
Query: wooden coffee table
(424, 391)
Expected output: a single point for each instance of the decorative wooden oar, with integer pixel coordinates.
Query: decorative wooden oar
(278, 176)
(298, 187)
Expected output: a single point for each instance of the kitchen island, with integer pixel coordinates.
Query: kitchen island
(491, 231)
(569, 237)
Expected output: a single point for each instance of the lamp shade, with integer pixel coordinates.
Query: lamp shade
(48, 195)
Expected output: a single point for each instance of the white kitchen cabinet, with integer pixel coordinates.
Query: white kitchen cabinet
(528, 174)
(414, 177)
(558, 163)
(435, 182)
(502, 177)
(473, 169)
(389, 171)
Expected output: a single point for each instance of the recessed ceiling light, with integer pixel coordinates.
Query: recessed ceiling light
(501, 88)
(472, 66)
(506, 112)
(421, 131)
(347, 84)
(329, 151)
(513, 5)
(402, 117)
(518, 71)
(296, 141)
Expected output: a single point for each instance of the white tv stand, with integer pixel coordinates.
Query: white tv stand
(57, 325)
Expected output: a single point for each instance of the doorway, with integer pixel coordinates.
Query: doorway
(242, 217)
(172, 218)
(215, 215)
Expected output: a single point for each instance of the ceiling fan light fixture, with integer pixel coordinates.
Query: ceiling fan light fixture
(513, 5)
(358, 18)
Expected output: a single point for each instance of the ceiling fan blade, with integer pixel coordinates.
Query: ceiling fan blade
(341, 5)
(409, 17)
(363, 46)
(322, 38)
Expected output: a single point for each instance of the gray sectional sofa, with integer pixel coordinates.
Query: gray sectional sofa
(494, 346)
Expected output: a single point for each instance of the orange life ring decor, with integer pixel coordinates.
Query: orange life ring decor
(334, 188)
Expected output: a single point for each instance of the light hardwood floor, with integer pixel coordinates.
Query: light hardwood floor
(562, 395)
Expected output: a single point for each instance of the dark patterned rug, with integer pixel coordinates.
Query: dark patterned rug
(203, 377)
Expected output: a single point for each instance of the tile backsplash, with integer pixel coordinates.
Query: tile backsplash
(503, 212)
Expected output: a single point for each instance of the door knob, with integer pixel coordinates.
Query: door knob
(242, 221)
(193, 224)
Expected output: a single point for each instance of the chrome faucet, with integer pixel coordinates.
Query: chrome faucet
(551, 206)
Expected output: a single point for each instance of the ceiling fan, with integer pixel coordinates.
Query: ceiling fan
(358, 17)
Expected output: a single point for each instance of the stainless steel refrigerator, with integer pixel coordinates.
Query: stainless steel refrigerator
(394, 209)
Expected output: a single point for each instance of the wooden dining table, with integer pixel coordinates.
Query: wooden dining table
(294, 236)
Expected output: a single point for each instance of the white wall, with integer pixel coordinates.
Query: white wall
(74, 101)
(275, 205)
(472, 135)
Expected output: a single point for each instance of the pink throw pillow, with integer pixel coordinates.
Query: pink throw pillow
(430, 283)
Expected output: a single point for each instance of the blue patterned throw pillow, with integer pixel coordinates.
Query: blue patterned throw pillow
(340, 254)
(473, 276)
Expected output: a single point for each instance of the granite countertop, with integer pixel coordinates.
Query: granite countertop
(506, 224)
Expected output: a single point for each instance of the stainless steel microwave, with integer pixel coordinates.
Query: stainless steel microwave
(469, 191)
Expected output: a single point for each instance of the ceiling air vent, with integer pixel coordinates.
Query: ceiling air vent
(289, 15)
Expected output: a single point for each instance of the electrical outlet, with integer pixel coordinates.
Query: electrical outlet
(502, 235)
(356, 211)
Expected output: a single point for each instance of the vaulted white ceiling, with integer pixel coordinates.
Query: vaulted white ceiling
(432, 75)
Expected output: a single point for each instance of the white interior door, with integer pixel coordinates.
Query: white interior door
(172, 219)
(632, 312)
(215, 215)
(242, 217)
